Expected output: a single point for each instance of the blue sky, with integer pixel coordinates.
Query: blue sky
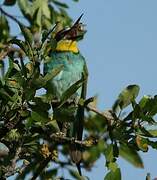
(121, 48)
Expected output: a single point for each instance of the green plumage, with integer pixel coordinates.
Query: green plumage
(74, 69)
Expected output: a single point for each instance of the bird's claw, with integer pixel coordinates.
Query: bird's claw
(61, 134)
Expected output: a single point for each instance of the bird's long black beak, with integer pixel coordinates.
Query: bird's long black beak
(78, 20)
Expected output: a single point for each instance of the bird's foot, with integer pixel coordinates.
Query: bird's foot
(61, 134)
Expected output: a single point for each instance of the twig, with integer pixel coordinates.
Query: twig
(9, 16)
(63, 139)
(108, 115)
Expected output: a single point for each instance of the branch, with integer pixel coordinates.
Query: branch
(108, 115)
(57, 137)
(9, 16)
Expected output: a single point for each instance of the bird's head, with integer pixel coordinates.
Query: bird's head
(74, 33)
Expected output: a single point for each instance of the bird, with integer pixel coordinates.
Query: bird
(69, 116)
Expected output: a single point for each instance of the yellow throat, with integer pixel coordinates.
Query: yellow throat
(67, 45)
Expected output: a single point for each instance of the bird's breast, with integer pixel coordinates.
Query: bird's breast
(73, 64)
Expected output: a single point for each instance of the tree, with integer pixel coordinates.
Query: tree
(29, 141)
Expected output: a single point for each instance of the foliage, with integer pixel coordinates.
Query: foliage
(28, 133)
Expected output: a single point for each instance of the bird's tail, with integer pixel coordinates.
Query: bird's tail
(79, 169)
(76, 157)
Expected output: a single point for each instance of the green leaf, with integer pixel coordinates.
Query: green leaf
(63, 5)
(151, 106)
(126, 97)
(145, 99)
(113, 175)
(112, 166)
(152, 144)
(142, 143)
(40, 105)
(109, 153)
(21, 44)
(50, 75)
(92, 154)
(144, 132)
(24, 113)
(148, 119)
(153, 132)
(49, 174)
(37, 17)
(16, 81)
(67, 20)
(40, 8)
(131, 155)
(13, 135)
(53, 44)
(10, 68)
(9, 2)
(25, 8)
(76, 175)
(29, 93)
(42, 81)
(39, 112)
(70, 91)
(45, 35)
(5, 95)
(23, 68)
(26, 33)
(4, 32)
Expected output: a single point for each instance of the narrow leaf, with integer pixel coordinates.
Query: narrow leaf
(63, 5)
(153, 132)
(142, 143)
(21, 44)
(131, 155)
(42, 81)
(50, 75)
(144, 101)
(126, 97)
(113, 175)
(69, 92)
(5, 95)
(26, 33)
(76, 175)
